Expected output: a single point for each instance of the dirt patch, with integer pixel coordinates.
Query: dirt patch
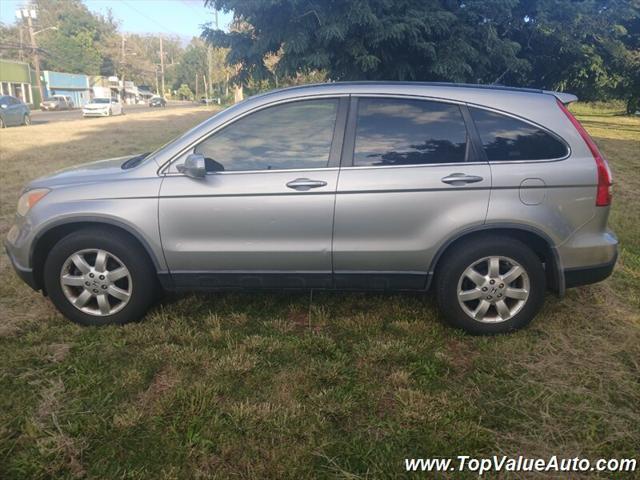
(163, 381)
(460, 356)
(50, 401)
(147, 402)
(57, 352)
(65, 451)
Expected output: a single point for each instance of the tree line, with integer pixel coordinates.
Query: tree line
(588, 47)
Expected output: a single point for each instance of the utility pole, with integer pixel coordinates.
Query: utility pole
(20, 53)
(162, 65)
(210, 84)
(28, 13)
(122, 60)
(215, 16)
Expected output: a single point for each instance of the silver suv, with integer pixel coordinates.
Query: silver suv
(493, 195)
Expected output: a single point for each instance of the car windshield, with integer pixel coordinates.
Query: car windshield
(101, 100)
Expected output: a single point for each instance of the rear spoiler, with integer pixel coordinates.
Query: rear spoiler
(565, 98)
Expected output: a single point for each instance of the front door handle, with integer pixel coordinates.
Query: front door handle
(304, 184)
(458, 179)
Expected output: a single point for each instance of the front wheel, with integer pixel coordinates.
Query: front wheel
(26, 120)
(490, 284)
(99, 277)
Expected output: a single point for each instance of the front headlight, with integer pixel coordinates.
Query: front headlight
(29, 199)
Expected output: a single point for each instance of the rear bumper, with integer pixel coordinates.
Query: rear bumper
(576, 277)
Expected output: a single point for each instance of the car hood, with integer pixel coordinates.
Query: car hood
(97, 105)
(100, 171)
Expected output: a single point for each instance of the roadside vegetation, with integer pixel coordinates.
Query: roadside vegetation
(293, 385)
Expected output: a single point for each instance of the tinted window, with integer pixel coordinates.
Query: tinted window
(505, 138)
(295, 135)
(408, 132)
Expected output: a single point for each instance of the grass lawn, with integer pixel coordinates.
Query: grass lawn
(284, 385)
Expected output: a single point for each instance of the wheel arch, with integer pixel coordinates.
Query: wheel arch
(539, 242)
(46, 239)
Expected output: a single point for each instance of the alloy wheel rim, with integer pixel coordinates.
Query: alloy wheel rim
(493, 289)
(96, 282)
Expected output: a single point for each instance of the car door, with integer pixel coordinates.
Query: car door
(411, 178)
(263, 214)
(13, 111)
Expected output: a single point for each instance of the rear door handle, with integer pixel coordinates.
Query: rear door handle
(304, 184)
(458, 179)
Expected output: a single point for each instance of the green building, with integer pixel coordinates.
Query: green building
(19, 80)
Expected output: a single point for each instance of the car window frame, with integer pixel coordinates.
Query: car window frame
(473, 156)
(337, 139)
(483, 153)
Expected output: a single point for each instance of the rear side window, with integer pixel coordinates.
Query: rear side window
(505, 138)
(394, 131)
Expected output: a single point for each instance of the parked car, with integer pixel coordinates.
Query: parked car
(157, 102)
(102, 107)
(57, 102)
(490, 195)
(13, 111)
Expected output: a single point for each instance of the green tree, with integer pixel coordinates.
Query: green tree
(371, 39)
(193, 64)
(585, 46)
(76, 44)
(577, 46)
(184, 92)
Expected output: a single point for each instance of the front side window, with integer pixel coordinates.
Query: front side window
(506, 138)
(293, 135)
(394, 131)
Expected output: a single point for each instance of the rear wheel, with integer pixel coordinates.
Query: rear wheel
(26, 120)
(99, 277)
(490, 284)
(2, 124)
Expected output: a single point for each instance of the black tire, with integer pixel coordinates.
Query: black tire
(26, 120)
(452, 266)
(132, 255)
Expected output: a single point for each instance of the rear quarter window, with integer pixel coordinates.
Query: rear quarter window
(506, 139)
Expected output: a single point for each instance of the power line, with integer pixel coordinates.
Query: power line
(150, 19)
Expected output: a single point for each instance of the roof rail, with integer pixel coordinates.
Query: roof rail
(563, 97)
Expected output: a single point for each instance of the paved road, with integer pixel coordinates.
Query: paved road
(38, 116)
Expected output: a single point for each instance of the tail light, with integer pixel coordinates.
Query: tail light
(603, 195)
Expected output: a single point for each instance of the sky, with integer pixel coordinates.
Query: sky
(172, 17)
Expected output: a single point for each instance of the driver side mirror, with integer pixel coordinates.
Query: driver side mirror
(193, 166)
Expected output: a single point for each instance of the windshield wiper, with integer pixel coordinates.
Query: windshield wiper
(134, 161)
